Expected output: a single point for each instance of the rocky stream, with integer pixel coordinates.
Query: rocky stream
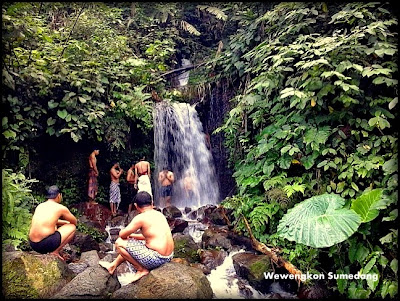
(210, 262)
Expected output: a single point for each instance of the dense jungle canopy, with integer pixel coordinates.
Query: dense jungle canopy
(310, 96)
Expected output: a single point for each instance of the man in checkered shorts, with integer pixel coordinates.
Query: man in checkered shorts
(149, 249)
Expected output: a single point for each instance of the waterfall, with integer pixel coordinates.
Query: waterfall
(180, 144)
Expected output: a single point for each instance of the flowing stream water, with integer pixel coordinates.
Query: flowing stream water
(180, 145)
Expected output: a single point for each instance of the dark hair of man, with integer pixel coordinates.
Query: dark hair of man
(143, 199)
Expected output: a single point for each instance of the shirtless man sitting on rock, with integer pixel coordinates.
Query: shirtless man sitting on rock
(148, 250)
(44, 236)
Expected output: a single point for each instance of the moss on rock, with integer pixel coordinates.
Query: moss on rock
(29, 276)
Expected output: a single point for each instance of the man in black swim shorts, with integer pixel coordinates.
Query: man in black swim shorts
(166, 179)
(53, 225)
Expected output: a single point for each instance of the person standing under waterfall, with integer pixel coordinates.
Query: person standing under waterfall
(150, 248)
(142, 172)
(115, 193)
(132, 188)
(93, 174)
(188, 185)
(166, 179)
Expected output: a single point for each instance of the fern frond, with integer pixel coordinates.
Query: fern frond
(219, 14)
(189, 28)
(296, 187)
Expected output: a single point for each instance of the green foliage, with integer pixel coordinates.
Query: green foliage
(313, 112)
(93, 232)
(368, 205)
(68, 70)
(17, 203)
(320, 221)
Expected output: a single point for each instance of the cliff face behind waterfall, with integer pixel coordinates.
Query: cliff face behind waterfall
(212, 111)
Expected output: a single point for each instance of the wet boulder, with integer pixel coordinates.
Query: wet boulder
(212, 258)
(119, 220)
(204, 211)
(177, 225)
(93, 283)
(171, 212)
(216, 237)
(27, 275)
(185, 247)
(252, 267)
(169, 281)
(84, 242)
(218, 217)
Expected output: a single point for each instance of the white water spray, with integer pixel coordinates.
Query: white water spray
(180, 144)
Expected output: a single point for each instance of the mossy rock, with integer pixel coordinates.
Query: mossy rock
(252, 267)
(185, 247)
(30, 276)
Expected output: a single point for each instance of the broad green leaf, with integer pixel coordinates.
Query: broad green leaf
(390, 166)
(4, 121)
(394, 264)
(369, 265)
(319, 222)
(9, 134)
(268, 168)
(373, 281)
(51, 121)
(52, 104)
(366, 205)
(393, 103)
(62, 113)
(392, 216)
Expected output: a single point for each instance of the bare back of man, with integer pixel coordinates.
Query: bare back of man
(156, 231)
(142, 173)
(149, 249)
(46, 218)
(166, 179)
(142, 168)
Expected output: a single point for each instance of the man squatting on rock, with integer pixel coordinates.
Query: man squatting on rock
(148, 250)
(44, 236)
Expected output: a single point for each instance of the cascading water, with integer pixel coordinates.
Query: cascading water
(180, 145)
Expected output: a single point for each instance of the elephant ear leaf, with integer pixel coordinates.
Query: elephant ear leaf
(319, 222)
(368, 205)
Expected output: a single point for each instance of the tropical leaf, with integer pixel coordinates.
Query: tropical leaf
(368, 204)
(214, 10)
(319, 222)
(189, 28)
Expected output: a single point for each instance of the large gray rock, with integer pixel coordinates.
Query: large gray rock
(91, 258)
(30, 275)
(92, 283)
(170, 281)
